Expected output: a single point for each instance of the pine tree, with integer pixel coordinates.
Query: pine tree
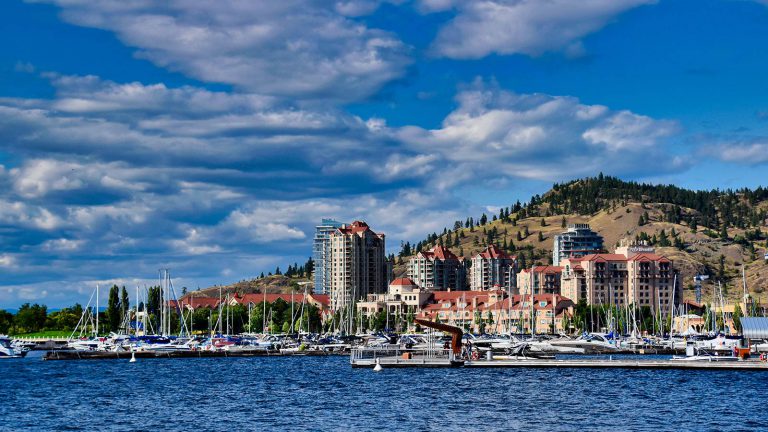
(113, 309)
(125, 303)
(563, 223)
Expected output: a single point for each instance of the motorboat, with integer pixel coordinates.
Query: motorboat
(701, 354)
(591, 343)
(6, 350)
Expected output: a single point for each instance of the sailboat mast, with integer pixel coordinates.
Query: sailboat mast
(97, 310)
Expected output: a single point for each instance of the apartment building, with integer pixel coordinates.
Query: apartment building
(493, 268)
(635, 275)
(321, 252)
(543, 280)
(578, 241)
(357, 263)
(438, 269)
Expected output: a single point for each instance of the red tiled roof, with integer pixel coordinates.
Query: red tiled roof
(323, 299)
(402, 281)
(544, 269)
(604, 257)
(271, 298)
(355, 227)
(493, 252)
(197, 302)
(649, 257)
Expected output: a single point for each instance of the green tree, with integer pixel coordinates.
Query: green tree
(563, 223)
(113, 308)
(737, 314)
(125, 304)
(32, 318)
(6, 321)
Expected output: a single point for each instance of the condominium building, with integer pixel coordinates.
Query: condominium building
(438, 269)
(542, 279)
(321, 251)
(578, 241)
(492, 268)
(358, 264)
(635, 275)
(403, 297)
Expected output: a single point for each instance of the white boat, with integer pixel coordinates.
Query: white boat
(591, 343)
(6, 351)
(703, 355)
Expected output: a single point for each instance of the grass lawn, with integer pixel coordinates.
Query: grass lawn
(47, 333)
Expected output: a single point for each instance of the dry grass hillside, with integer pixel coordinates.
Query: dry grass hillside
(275, 284)
(700, 254)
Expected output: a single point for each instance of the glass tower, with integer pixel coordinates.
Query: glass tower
(321, 252)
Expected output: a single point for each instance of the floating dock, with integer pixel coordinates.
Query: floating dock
(609, 363)
(117, 355)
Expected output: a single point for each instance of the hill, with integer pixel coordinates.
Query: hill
(696, 229)
(272, 284)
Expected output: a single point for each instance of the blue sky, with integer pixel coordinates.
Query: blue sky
(209, 137)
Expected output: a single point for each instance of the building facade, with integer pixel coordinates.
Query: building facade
(358, 264)
(635, 275)
(438, 269)
(402, 298)
(493, 268)
(321, 251)
(543, 280)
(578, 241)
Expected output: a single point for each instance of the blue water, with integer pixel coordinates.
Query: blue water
(325, 393)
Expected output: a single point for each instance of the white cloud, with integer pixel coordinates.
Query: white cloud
(62, 245)
(7, 260)
(741, 152)
(294, 48)
(495, 133)
(530, 27)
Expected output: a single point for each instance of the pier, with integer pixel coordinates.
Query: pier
(611, 363)
(117, 355)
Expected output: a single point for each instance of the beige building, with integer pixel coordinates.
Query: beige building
(543, 279)
(438, 269)
(492, 269)
(635, 275)
(494, 312)
(403, 297)
(358, 264)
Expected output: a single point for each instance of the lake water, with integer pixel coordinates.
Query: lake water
(325, 393)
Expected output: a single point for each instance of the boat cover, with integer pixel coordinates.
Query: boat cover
(754, 327)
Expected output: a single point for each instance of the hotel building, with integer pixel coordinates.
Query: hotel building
(358, 264)
(634, 275)
(543, 279)
(438, 269)
(492, 268)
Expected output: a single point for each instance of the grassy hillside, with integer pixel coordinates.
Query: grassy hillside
(728, 224)
(273, 284)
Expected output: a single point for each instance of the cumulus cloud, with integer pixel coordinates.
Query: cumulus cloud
(753, 152)
(495, 133)
(530, 27)
(294, 48)
(153, 176)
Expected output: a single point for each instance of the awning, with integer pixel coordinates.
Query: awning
(754, 327)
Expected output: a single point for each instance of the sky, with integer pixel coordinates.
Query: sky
(210, 137)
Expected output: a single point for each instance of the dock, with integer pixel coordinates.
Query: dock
(610, 363)
(117, 355)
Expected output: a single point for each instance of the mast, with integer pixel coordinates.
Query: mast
(219, 320)
(136, 328)
(97, 310)
(264, 313)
